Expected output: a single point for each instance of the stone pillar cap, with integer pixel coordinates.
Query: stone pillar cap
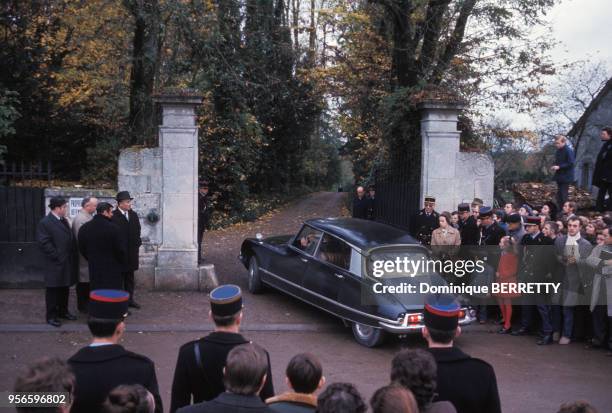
(179, 96)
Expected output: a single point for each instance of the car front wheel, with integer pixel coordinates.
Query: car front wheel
(255, 286)
(368, 336)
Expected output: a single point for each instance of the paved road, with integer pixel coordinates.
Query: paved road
(531, 378)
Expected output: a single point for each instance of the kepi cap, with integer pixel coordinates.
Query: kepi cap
(485, 211)
(429, 198)
(441, 312)
(108, 304)
(226, 300)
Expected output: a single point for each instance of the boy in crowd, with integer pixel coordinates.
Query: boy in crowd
(304, 378)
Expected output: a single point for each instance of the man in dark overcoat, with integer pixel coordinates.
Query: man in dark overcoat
(198, 375)
(101, 245)
(58, 244)
(602, 174)
(425, 221)
(360, 204)
(563, 168)
(105, 364)
(129, 227)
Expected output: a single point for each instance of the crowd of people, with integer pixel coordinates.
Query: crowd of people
(224, 372)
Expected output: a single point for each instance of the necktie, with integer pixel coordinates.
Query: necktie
(65, 222)
(127, 218)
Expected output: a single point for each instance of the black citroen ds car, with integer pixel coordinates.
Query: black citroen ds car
(329, 264)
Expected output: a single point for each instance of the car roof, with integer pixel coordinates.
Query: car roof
(363, 234)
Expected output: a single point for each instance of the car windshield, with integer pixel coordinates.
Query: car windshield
(307, 240)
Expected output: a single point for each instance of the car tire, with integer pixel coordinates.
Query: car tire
(255, 286)
(368, 336)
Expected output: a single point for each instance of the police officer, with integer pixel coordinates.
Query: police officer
(531, 270)
(490, 231)
(425, 221)
(129, 226)
(467, 225)
(204, 211)
(467, 382)
(104, 364)
(199, 368)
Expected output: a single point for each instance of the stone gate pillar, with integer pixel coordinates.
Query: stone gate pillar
(177, 261)
(447, 173)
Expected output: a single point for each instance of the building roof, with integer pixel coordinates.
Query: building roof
(578, 128)
(362, 233)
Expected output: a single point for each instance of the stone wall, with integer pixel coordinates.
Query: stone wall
(448, 174)
(139, 173)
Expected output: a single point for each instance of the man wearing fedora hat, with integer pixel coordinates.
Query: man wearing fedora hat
(129, 227)
(58, 244)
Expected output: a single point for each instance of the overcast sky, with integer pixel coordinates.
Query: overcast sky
(583, 29)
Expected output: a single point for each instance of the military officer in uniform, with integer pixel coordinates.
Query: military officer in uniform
(198, 375)
(129, 226)
(425, 221)
(104, 364)
(467, 225)
(490, 234)
(467, 382)
(531, 270)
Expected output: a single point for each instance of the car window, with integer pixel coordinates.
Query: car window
(307, 240)
(335, 252)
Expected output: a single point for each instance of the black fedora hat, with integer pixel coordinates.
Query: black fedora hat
(122, 196)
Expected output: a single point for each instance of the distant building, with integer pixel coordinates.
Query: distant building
(586, 133)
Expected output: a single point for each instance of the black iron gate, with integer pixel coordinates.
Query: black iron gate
(21, 261)
(397, 194)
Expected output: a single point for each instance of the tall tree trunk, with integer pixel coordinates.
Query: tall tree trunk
(145, 56)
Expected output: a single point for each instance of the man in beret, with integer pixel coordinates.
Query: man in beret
(204, 211)
(57, 242)
(104, 364)
(129, 227)
(198, 375)
(425, 221)
(467, 382)
(101, 244)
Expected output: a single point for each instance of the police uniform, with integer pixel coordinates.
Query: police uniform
(424, 223)
(100, 368)
(468, 228)
(198, 375)
(490, 236)
(467, 382)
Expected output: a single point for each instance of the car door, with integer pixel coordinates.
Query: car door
(327, 273)
(286, 270)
